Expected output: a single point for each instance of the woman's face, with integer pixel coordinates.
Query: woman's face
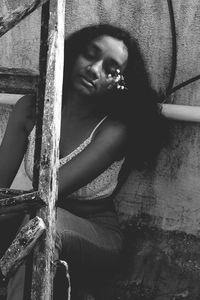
(102, 57)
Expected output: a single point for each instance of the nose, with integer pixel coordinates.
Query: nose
(95, 69)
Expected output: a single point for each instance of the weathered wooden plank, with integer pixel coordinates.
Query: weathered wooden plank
(12, 192)
(21, 246)
(18, 81)
(20, 203)
(16, 15)
(43, 269)
(41, 91)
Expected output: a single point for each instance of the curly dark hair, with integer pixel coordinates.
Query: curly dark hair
(137, 106)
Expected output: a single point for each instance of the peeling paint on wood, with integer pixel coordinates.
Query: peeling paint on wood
(18, 81)
(19, 201)
(43, 268)
(21, 246)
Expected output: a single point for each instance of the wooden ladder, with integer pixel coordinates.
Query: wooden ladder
(47, 85)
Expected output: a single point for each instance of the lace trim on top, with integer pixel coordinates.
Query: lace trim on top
(81, 147)
(101, 187)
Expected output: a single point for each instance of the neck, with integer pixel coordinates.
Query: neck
(78, 106)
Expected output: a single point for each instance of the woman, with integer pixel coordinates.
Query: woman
(108, 106)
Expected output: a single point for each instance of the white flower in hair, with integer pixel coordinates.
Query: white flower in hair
(118, 80)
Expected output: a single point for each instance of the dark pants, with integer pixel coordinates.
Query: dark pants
(91, 246)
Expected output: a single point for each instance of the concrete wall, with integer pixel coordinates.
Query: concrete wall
(169, 193)
(19, 48)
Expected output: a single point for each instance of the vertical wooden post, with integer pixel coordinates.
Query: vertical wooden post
(42, 279)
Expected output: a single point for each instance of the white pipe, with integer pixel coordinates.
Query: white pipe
(9, 98)
(186, 113)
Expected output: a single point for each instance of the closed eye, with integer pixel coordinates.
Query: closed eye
(91, 52)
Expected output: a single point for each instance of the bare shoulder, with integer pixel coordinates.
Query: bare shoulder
(112, 135)
(23, 114)
(112, 129)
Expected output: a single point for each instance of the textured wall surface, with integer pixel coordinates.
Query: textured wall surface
(19, 47)
(169, 193)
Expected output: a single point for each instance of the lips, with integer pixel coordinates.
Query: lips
(87, 82)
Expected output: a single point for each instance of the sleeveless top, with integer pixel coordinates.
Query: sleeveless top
(99, 188)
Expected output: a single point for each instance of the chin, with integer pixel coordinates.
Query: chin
(84, 91)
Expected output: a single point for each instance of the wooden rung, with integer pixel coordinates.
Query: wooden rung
(16, 15)
(13, 192)
(21, 246)
(18, 81)
(20, 203)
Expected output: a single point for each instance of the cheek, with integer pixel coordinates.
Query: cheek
(75, 71)
(78, 66)
(103, 86)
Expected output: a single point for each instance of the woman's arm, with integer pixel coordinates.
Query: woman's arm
(14, 142)
(107, 146)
